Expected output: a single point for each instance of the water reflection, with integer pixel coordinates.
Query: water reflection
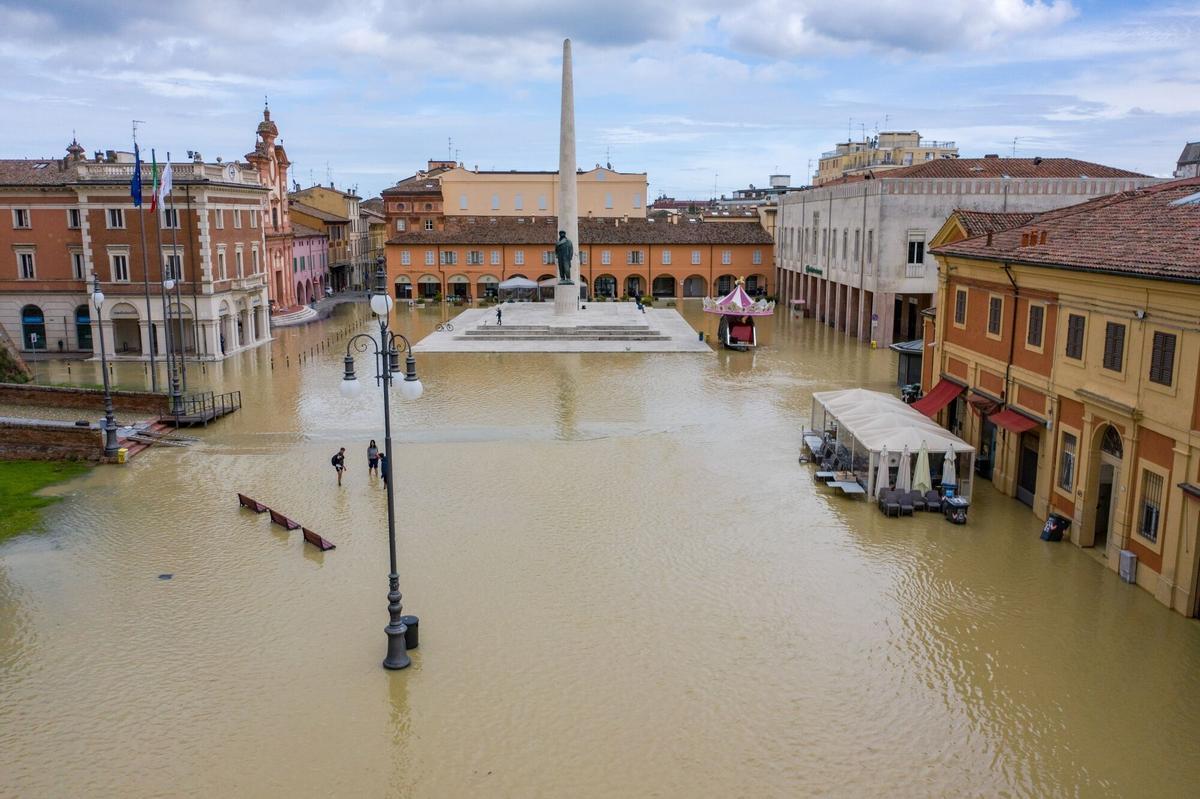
(616, 559)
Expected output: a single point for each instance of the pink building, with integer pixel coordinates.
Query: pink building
(310, 263)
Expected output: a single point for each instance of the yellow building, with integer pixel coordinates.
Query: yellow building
(351, 254)
(888, 150)
(602, 193)
(1067, 349)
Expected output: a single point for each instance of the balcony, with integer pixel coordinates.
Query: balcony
(123, 173)
(914, 270)
(943, 145)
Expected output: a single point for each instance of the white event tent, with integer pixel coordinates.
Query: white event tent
(871, 422)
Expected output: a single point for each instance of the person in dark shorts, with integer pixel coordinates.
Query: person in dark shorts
(498, 315)
(339, 463)
(372, 459)
(383, 467)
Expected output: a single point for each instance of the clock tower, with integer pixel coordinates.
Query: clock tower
(271, 162)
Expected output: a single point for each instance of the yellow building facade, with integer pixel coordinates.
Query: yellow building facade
(888, 150)
(1073, 345)
(603, 193)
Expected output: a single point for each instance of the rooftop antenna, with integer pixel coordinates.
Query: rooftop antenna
(136, 122)
(1014, 144)
(328, 173)
(715, 176)
(849, 126)
(449, 148)
(886, 117)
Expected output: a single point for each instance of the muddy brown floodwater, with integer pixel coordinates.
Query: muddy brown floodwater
(627, 586)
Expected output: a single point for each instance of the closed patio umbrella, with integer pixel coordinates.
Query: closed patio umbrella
(883, 478)
(949, 478)
(921, 480)
(904, 473)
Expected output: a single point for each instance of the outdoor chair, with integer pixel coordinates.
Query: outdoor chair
(917, 499)
(890, 502)
(906, 503)
(933, 501)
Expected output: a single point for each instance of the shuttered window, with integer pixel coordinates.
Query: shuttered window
(1037, 317)
(960, 307)
(1075, 336)
(995, 308)
(1114, 346)
(1162, 359)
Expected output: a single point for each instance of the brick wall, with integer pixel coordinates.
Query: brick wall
(90, 398)
(43, 440)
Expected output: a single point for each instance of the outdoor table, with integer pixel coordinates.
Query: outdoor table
(852, 488)
(824, 476)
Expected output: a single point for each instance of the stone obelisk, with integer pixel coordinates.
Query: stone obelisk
(566, 296)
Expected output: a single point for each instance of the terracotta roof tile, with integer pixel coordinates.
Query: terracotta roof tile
(1013, 167)
(35, 172)
(977, 223)
(299, 230)
(1150, 232)
(544, 230)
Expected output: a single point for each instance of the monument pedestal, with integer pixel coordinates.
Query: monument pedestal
(566, 298)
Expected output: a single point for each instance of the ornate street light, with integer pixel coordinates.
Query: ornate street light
(172, 362)
(110, 426)
(387, 351)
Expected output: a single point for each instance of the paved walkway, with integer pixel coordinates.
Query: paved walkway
(533, 327)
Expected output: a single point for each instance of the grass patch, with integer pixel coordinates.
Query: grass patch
(20, 507)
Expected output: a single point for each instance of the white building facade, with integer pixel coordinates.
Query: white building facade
(854, 251)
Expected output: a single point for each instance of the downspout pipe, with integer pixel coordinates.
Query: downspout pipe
(1012, 338)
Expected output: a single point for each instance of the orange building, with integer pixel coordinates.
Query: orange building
(1065, 348)
(469, 256)
(66, 219)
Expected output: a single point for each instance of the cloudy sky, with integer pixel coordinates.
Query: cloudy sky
(699, 94)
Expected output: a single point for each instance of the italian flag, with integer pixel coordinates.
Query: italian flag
(154, 179)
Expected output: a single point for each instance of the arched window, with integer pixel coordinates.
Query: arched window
(83, 327)
(1111, 442)
(33, 328)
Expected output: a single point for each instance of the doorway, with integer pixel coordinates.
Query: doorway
(1027, 468)
(987, 445)
(1104, 497)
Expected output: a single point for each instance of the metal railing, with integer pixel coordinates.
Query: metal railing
(208, 405)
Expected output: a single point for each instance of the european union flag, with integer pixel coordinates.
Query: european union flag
(135, 184)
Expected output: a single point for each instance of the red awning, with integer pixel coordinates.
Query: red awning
(1013, 421)
(938, 397)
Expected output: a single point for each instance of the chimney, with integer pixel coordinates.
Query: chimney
(991, 155)
(1024, 239)
(989, 238)
(1042, 238)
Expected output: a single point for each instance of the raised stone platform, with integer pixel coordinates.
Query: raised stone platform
(598, 327)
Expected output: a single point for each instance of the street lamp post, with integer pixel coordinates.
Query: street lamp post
(172, 362)
(387, 351)
(110, 426)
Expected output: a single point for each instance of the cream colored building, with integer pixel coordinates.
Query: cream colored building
(888, 150)
(602, 193)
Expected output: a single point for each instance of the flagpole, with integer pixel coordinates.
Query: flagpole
(182, 361)
(189, 249)
(163, 295)
(137, 165)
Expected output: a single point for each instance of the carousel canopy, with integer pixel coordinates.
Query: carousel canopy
(738, 303)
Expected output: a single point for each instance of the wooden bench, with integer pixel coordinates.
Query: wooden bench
(252, 504)
(284, 521)
(317, 541)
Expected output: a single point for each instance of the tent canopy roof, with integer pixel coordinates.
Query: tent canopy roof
(878, 420)
(518, 283)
